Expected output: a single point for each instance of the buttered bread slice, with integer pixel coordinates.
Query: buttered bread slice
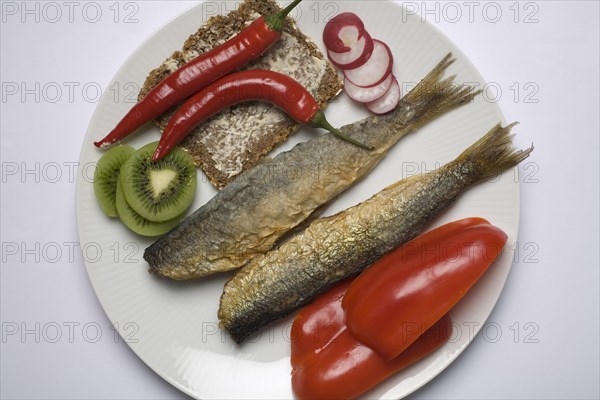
(238, 137)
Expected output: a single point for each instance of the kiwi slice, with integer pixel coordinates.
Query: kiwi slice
(137, 223)
(159, 191)
(106, 176)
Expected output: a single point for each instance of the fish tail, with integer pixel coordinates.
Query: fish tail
(434, 96)
(493, 153)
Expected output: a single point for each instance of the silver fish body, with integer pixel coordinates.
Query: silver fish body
(333, 248)
(248, 216)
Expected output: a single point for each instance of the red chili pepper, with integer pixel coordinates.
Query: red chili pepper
(248, 45)
(270, 86)
(418, 283)
(329, 363)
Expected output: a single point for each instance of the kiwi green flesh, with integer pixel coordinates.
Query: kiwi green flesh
(159, 191)
(106, 177)
(137, 223)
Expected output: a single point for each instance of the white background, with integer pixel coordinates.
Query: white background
(544, 59)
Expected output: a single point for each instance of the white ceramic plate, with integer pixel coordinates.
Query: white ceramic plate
(172, 326)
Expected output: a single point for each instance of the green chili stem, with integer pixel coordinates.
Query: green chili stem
(277, 20)
(320, 121)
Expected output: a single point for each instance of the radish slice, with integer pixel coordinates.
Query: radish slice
(388, 102)
(349, 35)
(368, 94)
(375, 70)
(358, 55)
(342, 32)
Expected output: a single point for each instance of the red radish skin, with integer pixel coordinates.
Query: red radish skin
(366, 63)
(368, 94)
(334, 33)
(375, 70)
(388, 101)
(358, 55)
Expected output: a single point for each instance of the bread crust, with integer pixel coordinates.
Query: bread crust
(240, 136)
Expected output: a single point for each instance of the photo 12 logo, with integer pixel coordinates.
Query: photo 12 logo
(16, 253)
(52, 12)
(68, 331)
(472, 11)
(68, 92)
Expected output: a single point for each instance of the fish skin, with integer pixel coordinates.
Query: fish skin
(334, 248)
(248, 216)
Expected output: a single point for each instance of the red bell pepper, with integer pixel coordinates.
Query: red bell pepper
(329, 363)
(318, 324)
(404, 293)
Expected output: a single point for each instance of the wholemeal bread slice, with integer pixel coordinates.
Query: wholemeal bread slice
(240, 136)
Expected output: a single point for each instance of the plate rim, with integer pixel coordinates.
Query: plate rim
(457, 53)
